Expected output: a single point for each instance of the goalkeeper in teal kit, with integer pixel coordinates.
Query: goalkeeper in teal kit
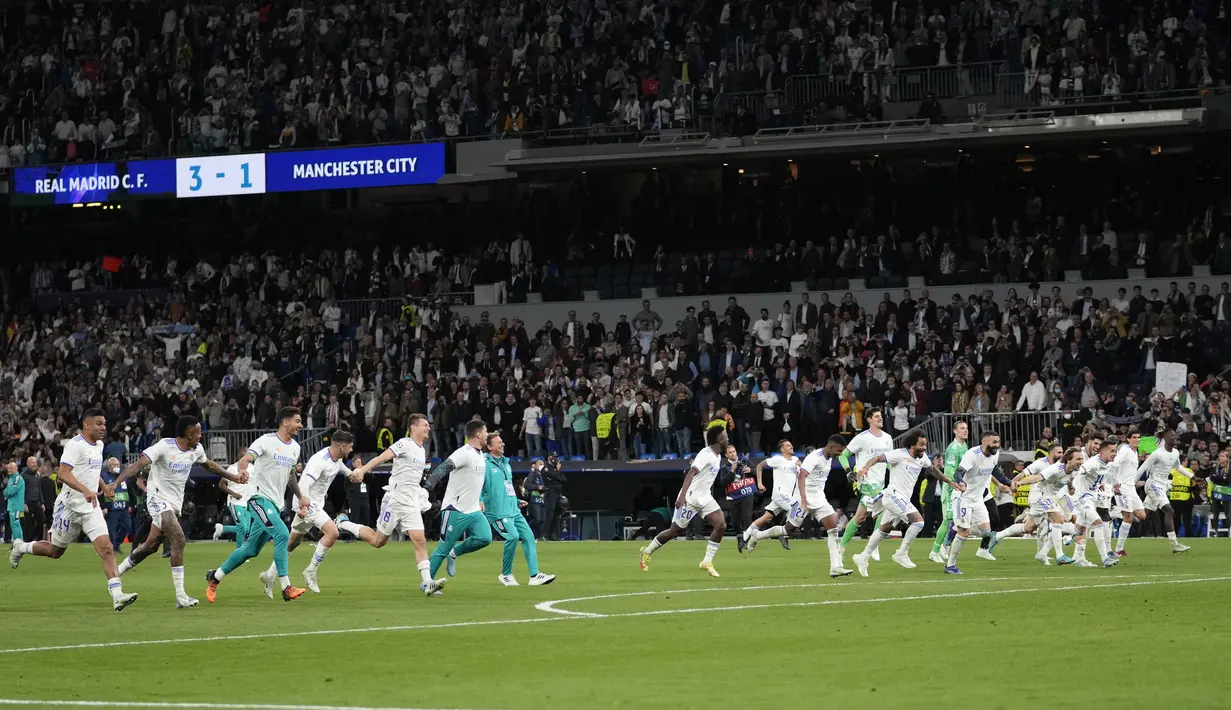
(501, 506)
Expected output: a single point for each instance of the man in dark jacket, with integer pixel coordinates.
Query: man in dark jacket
(37, 513)
(553, 485)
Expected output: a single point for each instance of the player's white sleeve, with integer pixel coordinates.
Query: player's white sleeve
(399, 447)
(257, 448)
(200, 455)
(311, 473)
(71, 456)
(155, 451)
(896, 456)
(811, 461)
(1145, 465)
(968, 460)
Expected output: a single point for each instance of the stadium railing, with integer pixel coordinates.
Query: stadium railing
(225, 446)
(1019, 431)
(909, 84)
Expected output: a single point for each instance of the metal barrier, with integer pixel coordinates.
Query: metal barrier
(910, 84)
(357, 310)
(1020, 90)
(225, 446)
(1019, 431)
(761, 104)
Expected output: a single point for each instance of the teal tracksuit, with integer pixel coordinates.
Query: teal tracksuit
(15, 502)
(499, 500)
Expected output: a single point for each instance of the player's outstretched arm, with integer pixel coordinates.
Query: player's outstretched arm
(940, 476)
(863, 471)
(130, 470)
(292, 484)
(365, 468)
(227, 489)
(222, 473)
(445, 468)
(245, 461)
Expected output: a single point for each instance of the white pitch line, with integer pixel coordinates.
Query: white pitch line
(207, 706)
(835, 602)
(550, 606)
(560, 615)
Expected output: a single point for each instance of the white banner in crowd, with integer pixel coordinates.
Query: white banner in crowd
(1170, 376)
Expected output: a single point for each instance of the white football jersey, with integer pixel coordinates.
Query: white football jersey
(865, 445)
(979, 468)
(318, 475)
(243, 489)
(169, 468)
(1089, 479)
(706, 462)
(816, 468)
(272, 461)
(1160, 463)
(86, 461)
(785, 475)
(409, 464)
(465, 481)
(1126, 463)
(904, 471)
(1055, 481)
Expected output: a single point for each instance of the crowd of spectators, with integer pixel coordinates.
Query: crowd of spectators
(134, 78)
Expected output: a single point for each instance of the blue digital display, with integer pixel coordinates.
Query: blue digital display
(227, 174)
(342, 168)
(95, 182)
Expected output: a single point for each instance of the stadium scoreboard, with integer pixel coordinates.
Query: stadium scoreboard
(230, 174)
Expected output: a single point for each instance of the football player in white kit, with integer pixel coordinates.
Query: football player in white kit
(863, 447)
(405, 499)
(76, 509)
(811, 477)
(237, 495)
(784, 496)
(694, 499)
(1050, 502)
(894, 501)
(1127, 500)
(1087, 483)
(976, 468)
(1157, 470)
(315, 480)
(1036, 519)
(170, 462)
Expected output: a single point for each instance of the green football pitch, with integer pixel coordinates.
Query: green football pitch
(773, 632)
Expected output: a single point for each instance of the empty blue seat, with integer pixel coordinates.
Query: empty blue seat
(671, 457)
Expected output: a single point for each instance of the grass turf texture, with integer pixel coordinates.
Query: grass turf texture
(772, 632)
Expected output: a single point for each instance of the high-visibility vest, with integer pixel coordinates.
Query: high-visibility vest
(602, 425)
(1021, 497)
(384, 439)
(1181, 485)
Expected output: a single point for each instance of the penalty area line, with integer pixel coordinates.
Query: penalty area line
(548, 606)
(204, 706)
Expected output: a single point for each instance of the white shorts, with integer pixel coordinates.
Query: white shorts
(1087, 512)
(701, 504)
(818, 510)
(402, 508)
(316, 518)
(781, 504)
(894, 506)
(969, 515)
(1128, 501)
(1157, 495)
(157, 505)
(1043, 506)
(67, 525)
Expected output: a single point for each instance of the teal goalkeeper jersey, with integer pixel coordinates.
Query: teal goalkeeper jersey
(499, 498)
(953, 456)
